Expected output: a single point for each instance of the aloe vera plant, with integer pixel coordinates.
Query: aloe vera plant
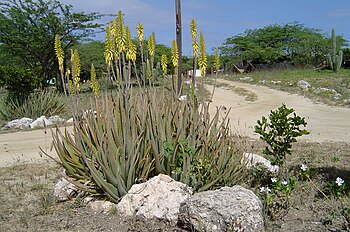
(132, 135)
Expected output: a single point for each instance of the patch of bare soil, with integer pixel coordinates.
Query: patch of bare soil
(27, 204)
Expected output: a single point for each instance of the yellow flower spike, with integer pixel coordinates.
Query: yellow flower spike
(217, 61)
(130, 46)
(75, 59)
(140, 32)
(108, 52)
(174, 54)
(202, 61)
(120, 35)
(148, 70)
(151, 45)
(71, 87)
(164, 63)
(94, 83)
(193, 30)
(112, 29)
(59, 52)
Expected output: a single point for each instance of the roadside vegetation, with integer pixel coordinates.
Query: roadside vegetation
(132, 122)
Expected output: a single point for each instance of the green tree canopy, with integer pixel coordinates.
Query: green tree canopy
(91, 53)
(28, 29)
(291, 42)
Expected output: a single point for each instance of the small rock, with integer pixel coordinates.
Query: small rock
(40, 122)
(71, 120)
(304, 85)
(158, 198)
(276, 82)
(88, 199)
(246, 79)
(252, 160)
(337, 96)
(102, 206)
(56, 120)
(346, 101)
(64, 190)
(23, 123)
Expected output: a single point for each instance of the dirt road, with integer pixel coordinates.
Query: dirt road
(324, 122)
(23, 147)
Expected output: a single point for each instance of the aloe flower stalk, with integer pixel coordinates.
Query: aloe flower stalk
(60, 57)
(120, 33)
(108, 52)
(130, 46)
(140, 32)
(202, 62)
(151, 45)
(174, 54)
(164, 63)
(75, 59)
(94, 83)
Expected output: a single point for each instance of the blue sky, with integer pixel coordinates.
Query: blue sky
(221, 19)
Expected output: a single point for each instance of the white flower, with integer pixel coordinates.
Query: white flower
(303, 167)
(267, 189)
(339, 181)
(273, 179)
(262, 189)
(284, 182)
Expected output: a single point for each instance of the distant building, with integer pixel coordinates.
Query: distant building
(241, 69)
(190, 73)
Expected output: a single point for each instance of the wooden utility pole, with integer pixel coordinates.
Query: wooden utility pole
(179, 45)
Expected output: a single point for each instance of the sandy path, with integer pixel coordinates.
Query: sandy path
(23, 147)
(325, 123)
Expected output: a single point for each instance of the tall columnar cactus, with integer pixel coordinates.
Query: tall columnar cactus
(335, 60)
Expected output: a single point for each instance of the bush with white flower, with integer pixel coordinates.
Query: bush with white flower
(276, 196)
(335, 187)
(305, 172)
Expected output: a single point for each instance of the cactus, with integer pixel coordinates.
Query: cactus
(335, 60)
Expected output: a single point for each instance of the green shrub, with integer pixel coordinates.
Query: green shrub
(279, 132)
(19, 81)
(39, 103)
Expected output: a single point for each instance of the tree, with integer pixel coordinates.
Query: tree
(28, 29)
(91, 53)
(292, 42)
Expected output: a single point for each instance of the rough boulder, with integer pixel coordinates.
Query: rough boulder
(227, 209)
(158, 198)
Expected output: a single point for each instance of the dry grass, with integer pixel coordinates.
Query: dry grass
(27, 203)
